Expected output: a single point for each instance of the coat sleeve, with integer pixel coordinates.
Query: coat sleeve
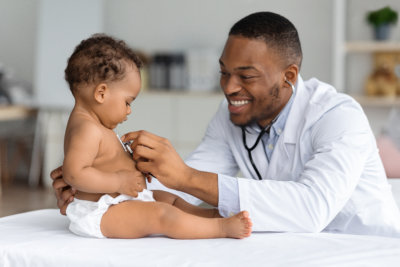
(337, 147)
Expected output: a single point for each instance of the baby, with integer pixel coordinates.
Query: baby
(104, 77)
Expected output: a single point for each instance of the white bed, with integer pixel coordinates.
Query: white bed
(41, 238)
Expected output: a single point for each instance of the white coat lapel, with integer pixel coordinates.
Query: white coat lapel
(306, 109)
(279, 161)
(296, 118)
(283, 157)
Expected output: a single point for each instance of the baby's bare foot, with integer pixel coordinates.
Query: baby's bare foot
(237, 226)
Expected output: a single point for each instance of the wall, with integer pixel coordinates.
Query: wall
(358, 29)
(169, 25)
(18, 32)
(61, 26)
(180, 24)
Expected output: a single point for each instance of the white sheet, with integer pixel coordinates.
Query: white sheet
(41, 238)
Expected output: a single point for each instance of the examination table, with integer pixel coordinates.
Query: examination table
(41, 238)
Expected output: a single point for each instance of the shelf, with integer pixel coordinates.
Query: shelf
(172, 92)
(11, 112)
(371, 46)
(376, 101)
(365, 101)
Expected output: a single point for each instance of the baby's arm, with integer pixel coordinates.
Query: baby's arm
(81, 147)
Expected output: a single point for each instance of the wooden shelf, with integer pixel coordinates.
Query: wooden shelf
(372, 46)
(183, 93)
(377, 101)
(11, 112)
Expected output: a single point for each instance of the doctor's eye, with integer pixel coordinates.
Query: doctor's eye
(223, 73)
(246, 77)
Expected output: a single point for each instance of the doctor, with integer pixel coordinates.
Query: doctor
(306, 153)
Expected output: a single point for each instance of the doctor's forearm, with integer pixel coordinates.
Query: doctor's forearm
(203, 185)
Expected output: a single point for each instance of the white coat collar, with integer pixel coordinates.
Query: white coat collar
(296, 113)
(312, 100)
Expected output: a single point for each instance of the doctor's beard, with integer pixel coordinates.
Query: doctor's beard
(267, 113)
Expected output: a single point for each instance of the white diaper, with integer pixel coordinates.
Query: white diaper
(85, 216)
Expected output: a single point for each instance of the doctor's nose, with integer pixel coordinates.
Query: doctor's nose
(230, 85)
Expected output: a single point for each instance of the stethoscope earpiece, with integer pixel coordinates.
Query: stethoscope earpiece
(290, 83)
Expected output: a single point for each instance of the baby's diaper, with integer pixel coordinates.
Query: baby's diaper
(85, 216)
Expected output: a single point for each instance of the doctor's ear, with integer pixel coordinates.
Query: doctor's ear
(291, 73)
(100, 92)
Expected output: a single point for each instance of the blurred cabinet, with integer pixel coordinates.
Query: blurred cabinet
(17, 124)
(182, 117)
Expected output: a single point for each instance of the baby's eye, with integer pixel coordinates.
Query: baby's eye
(128, 104)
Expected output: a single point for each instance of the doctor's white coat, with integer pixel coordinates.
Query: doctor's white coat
(325, 173)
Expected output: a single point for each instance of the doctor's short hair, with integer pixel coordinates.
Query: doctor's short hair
(100, 58)
(275, 30)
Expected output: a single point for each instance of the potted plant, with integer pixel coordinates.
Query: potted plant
(381, 20)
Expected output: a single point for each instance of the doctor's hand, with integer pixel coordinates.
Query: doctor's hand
(64, 192)
(156, 156)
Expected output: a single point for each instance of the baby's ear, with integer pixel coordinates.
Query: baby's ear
(100, 92)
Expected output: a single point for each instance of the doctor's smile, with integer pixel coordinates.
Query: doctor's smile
(237, 106)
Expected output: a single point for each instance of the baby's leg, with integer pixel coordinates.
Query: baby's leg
(167, 197)
(135, 219)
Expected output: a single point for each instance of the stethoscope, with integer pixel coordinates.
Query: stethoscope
(265, 129)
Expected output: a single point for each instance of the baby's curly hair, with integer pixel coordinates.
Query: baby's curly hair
(100, 58)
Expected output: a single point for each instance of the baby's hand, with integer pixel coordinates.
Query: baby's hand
(132, 182)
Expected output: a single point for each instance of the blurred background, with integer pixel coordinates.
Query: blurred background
(180, 41)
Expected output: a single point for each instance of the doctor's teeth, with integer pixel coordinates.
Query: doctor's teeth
(239, 103)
